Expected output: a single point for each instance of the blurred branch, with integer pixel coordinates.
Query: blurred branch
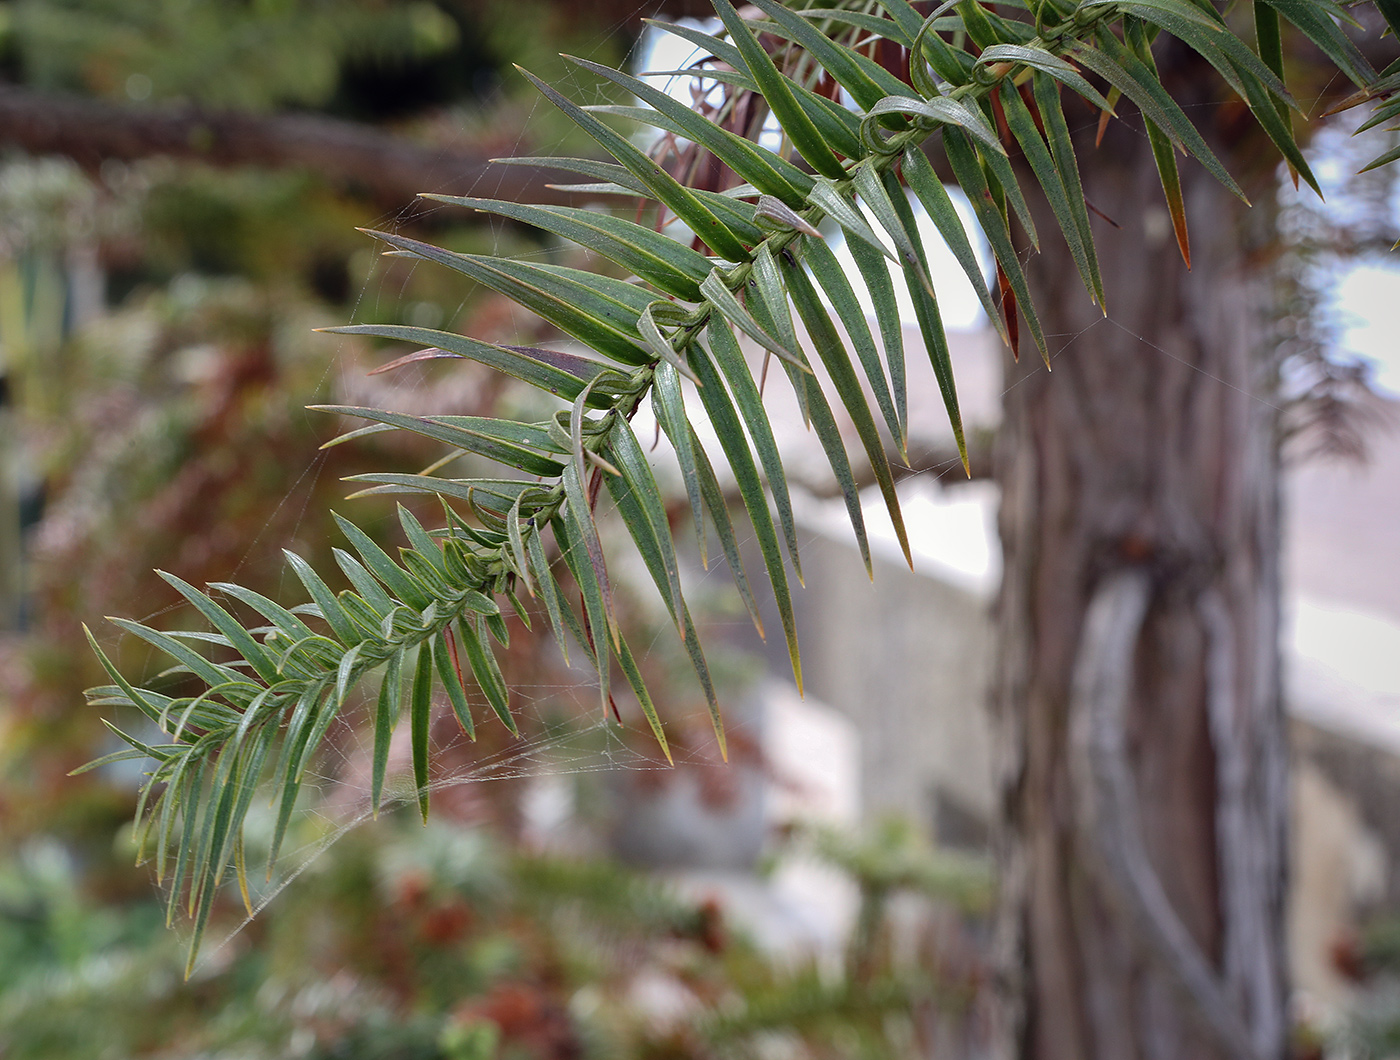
(389, 169)
(942, 460)
(926, 456)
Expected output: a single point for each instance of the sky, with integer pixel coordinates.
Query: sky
(1367, 304)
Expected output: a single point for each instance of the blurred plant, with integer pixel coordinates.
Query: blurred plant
(1369, 1029)
(889, 858)
(219, 54)
(434, 943)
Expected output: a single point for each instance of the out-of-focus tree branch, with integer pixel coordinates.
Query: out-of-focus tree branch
(927, 456)
(389, 169)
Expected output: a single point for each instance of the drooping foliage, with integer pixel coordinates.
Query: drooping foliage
(246, 705)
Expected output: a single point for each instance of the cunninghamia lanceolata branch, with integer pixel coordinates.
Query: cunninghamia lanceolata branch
(978, 80)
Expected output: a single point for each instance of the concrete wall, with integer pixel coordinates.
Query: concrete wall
(908, 660)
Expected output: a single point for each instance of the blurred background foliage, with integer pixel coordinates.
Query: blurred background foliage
(445, 942)
(156, 322)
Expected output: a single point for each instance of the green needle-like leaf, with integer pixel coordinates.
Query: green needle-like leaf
(394, 577)
(768, 299)
(843, 377)
(1048, 64)
(1006, 189)
(766, 171)
(554, 604)
(1232, 59)
(872, 24)
(1278, 126)
(137, 699)
(486, 494)
(1390, 11)
(1165, 157)
(294, 742)
(778, 91)
(708, 43)
(1383, 113)
(595, 641)
(824, 426)
(486, 670)
(449, 670)
(910, 22)
(656, 258)
(557, 373)
(209, 673)
(716, 505)
(875, 274)
(516, 537)
(635, 494)
(1381, 160)
(247, 777)
(924, 183)
(420, 539)
(866, 80)
(497, 440)
(287, 623)
(765, 284)
(832, 279)
(668, 403)
(952, 64)
(1042, 163)
(633, 674)
(326, 604)
(836, 125)
(137, 750)
(679, 200)
(597, 310)
(386, 715)
(718, 294)
(840, 209)
(977, 23)
(1052, 116)
(749, 404)
(944, 111)
(877, 199)
(580, 509)
(658, 342)
(1112, 61)
(962, 157)
(420, 714)
(602, 172)
(638, 498)
(935, 340)
(1318, 22)
(736, 451)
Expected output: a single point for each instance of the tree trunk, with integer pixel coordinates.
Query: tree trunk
(1142, 763)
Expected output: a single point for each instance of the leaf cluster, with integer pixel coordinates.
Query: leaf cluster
(976, 83)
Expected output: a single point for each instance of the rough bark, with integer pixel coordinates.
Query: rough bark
(1142, 761)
